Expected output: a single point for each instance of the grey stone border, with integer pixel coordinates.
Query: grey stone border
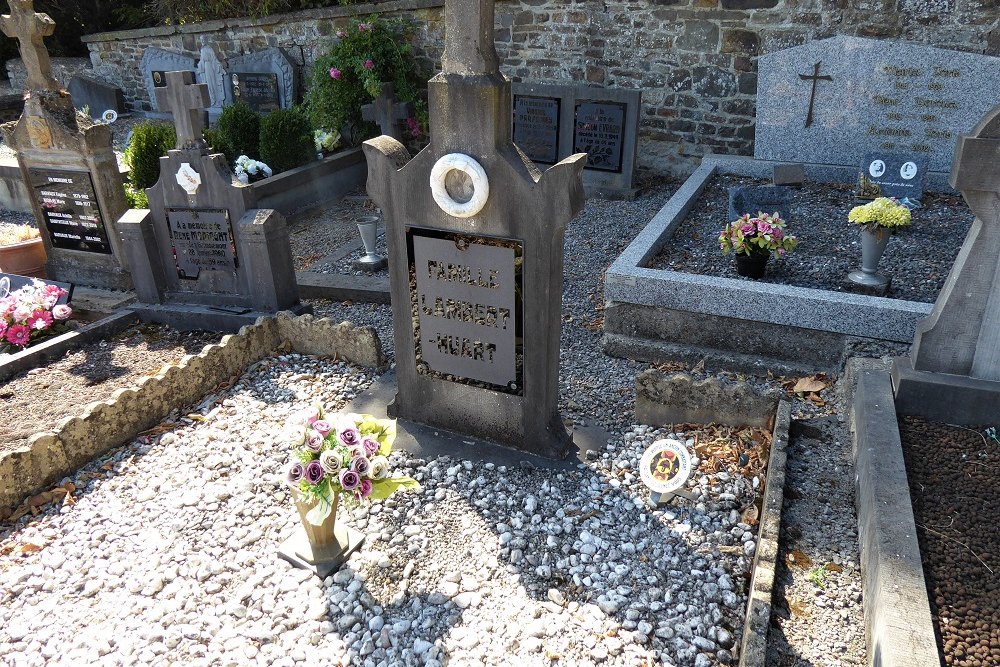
(899, 631)
(850, 314)
(338, 286)
(103, 425)
(298, 190)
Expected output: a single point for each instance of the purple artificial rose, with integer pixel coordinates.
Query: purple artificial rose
(349, 480)
(335, 73)
(314, 472)
(365, 488)
(323, 427)
(369, 64)
(314, 441)
(371, 445)
(341, 34)
(360, 465)
(295, 473)
(350, 436)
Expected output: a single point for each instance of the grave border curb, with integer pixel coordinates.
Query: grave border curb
(103, 425)
(753, 647)
(899, 630)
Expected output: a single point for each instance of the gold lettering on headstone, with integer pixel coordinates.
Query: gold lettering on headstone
(888, 145)
(946, 72)
(921, 148)
(888, 131)
(902, 85)
(885, 101)
(935, 85)
(931, 133)
(928, 117)
(893, 70)
(894, 115)
(38, 132)
(937, 104)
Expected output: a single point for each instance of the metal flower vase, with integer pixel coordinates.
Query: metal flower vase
(371, 261)
(320, 548)
(872, 247)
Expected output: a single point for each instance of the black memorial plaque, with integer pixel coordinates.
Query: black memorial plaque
(159, 78)
(201, 240)
(258, 90)
(599, 131)
(536, 127)
(467, 303)
(892, 175)
(73, 218)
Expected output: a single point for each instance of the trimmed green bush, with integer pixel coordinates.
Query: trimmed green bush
(238, 132)
(149, 143)
(286, 139)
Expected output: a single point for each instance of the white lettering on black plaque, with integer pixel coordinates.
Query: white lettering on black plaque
(536, 127)
(465, 300)
(259, 91)
(201, 240)
(599, 132)
(72, 217)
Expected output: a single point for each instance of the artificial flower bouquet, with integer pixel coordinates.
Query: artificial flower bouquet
(30, 313)
(885, 212)
(342, 454)
(249, 170)
(762, 233)
(18, 234)
(326, 140)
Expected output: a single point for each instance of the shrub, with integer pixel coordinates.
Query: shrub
(349, 75)
(135, 198)
(286, 139)
(238, 132)
(149, 143)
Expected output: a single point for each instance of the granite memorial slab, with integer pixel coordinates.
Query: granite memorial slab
(885, 174)
(551, 122)
(265, 80)
(97, 96)
(833, 101)
(155, 64)
(759, 199)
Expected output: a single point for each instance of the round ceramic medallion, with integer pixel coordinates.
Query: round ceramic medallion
(665, 466)
(459, 185)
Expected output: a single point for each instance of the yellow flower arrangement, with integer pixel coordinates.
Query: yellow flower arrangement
(17, 234)
(884, 212)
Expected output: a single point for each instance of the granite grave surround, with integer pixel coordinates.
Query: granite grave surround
(102, 425)
(653, 314)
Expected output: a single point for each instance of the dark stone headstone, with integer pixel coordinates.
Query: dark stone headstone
(793, 174)
(267, 78)
(258, 90)
(201, 239)
(155, 64)
(756, 199)
(536, 127)
(892, 175)
(599, 131)
(97, 95)
(15, 282)
(73, 220)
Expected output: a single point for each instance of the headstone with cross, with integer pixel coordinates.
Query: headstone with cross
(815, 77)
(475, 235)
(69, 166)
(953, 371)
(203, 255)
(386, 112)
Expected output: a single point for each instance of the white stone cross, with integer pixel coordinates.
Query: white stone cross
(187, 102)
(29, 27)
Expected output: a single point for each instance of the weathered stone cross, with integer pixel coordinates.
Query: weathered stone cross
(386, 112)
(469, 38)
(28, 28)
(187, 101)
(815, 78)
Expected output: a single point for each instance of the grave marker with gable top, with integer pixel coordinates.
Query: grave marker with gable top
(475, 234)
(203, 256)
(69, 165)
(953, 372)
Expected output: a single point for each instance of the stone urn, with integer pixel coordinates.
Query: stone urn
(753, 265)
(872, 247)
(26, 258)
(321, 548)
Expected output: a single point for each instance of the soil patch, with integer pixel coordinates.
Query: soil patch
(918, 258)
(39, 399)
(952, 475)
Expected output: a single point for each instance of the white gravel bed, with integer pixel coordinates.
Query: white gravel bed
(169, 556)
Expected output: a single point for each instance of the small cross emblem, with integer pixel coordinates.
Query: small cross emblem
(187, 101)
(815, 78)
(29, 27)
(386, 112)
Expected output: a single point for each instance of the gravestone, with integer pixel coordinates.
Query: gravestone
(386, 112)
(885, 174)
(552, 121)
(155, 64)
(69, 165)
(203, 255)
(756, 199)
(96, 95)
(953, 372)
(476, 259)
(211, 71)
(264, 80)
(11, 282)
(835, 100)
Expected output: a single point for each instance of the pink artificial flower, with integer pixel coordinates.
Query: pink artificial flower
(19, 335)
(364, 27)
(61, 312)
(53, 290)
(22, 312)
(746, 227)
(763, 227)
(335, 73)
(40, 320)
(7, 305)
(369, 64)
(323, 427)
(365, 489)
(777, 233)
(341, 34)
(3, 330)
(413, 125)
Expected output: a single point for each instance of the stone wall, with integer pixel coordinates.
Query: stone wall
(63, 69)
(693, 59)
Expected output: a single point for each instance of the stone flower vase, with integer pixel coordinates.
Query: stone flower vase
(323, 548)
(753, 265)
(26, 258)
(872, 247)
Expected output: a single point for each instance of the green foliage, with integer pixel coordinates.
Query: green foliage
(238, 132)
(286, 139)
(817, 576)
(149, 143)
(349, 75)
(135, 198)
(187, 11)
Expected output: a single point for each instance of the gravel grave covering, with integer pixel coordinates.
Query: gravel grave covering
(87, 374)
(318, 233)
(346, 265)
(952, 473)
(918, 258)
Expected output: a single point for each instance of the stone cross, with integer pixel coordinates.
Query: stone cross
(29, 27)
(187, 102)
(815, 78)
(469, 38)
(962, 334)
(386, 112)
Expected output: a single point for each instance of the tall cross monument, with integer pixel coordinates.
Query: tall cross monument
(475, 233)
(29, 28)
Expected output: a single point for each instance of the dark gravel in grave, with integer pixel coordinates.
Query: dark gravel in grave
(918, 258)
(40, 398)
(953, 476)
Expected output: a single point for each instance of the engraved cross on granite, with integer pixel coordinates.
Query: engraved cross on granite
(29, 27)
(815, 78)
(386, 112)
(187, 101)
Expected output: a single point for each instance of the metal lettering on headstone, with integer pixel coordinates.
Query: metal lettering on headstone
(466, 305)
(72, 216)
(536, 127)
(886, 174)
(598, 131)
(258, 90)
(201, 240)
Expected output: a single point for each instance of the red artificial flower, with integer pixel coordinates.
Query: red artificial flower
(18, 335)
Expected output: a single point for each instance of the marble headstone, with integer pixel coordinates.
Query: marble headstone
(265, 80)
(155, 64)
(832, 101)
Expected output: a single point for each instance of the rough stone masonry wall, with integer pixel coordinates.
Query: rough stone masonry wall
(693, 59)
